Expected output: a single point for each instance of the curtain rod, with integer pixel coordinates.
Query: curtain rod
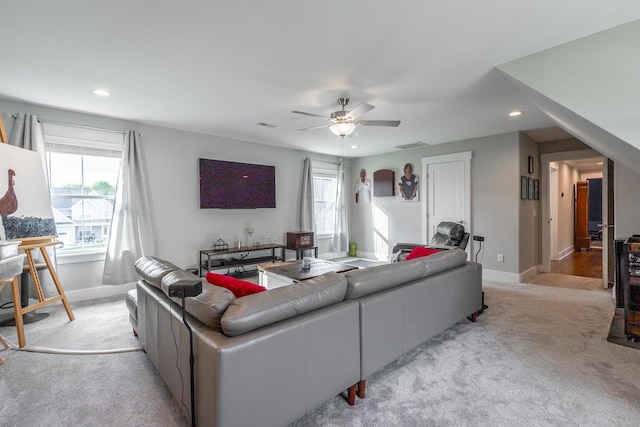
(82, 126)
(324, 161)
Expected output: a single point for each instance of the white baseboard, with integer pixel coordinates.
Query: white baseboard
(566, 252)
(528, 274)
(500, 276)
(372, 255)
(98, 292)
(333, 255)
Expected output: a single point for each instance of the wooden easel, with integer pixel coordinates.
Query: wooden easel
(28, 245)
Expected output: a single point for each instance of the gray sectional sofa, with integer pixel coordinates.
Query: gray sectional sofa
(269, 358)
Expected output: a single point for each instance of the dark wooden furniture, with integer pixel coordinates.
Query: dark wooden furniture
(293, 270)
(630, 278)
(384, 183)
(300, 251)
(211, 259)
(582, 237)
(301, 239)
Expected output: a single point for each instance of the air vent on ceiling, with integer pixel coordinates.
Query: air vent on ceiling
(412, 145)
(267, 125)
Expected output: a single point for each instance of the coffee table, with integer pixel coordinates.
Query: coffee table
(280, 274)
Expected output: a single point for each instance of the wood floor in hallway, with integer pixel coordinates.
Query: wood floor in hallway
(580, 263)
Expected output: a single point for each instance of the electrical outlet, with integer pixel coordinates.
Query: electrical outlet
(500, 257)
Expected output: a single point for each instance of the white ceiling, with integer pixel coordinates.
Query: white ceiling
(221, 68)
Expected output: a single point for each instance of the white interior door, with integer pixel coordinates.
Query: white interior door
(553, 210)
(448, 192)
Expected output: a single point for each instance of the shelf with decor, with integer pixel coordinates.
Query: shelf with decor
(234, 260)
(630, 278)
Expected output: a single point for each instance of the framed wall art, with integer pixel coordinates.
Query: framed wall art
(531, 189)
(408, 184)
(530, 168)
(523, 187)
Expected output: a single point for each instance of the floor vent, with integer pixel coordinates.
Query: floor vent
(412, 145)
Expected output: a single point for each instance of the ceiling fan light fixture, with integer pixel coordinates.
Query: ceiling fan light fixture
(342, 129)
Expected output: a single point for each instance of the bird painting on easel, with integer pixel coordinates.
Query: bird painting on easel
(25, 203)
(9, 202)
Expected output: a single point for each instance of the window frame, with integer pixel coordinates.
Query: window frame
(329, 170)
(83, 141)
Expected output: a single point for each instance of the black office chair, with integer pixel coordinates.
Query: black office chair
(448, 235)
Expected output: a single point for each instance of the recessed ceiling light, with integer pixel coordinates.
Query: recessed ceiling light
(354, 146)
(101, 92)
(599, 163)
(516, 113)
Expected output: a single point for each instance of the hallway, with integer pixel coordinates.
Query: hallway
(579, 263)
(580, 270)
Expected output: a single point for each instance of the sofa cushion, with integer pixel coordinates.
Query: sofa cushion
(444, 260)
(210, 305)
(448, 231)
(367, 281)
(265, 308)
(153, 269)
(178, 277)
(239, 288)
(420, 251)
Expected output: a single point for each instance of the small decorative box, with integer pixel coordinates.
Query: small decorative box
(303, 239)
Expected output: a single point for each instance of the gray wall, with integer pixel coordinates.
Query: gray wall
(498, 214)
(495, 199)
(183, 229)
(530, 241)
(627, 201)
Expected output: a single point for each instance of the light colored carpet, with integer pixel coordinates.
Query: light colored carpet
(538, 356)
(567, 281)
(41, 389)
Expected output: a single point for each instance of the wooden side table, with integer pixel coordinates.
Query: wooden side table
(300, 251)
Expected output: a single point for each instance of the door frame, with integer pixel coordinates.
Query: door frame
(545, 191)
(464, 156)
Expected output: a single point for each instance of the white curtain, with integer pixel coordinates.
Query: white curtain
(307, 221)
(132, 226)
(341, 232)
(27, 133)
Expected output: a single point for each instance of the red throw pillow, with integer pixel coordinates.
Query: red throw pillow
(420, 251)
(239, 288)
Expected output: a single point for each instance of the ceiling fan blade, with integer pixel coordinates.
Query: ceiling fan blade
(311, 114)
(359, 110)
(317, 127)
(392, 123)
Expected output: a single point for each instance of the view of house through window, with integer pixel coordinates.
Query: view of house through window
(325, 185)
(83, 168)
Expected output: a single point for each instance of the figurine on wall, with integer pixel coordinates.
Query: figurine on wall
(363, 188)
(409, 184)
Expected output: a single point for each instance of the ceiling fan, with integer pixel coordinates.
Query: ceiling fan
(343, 122)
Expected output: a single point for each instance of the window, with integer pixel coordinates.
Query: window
(83, 166)
(325, 186)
